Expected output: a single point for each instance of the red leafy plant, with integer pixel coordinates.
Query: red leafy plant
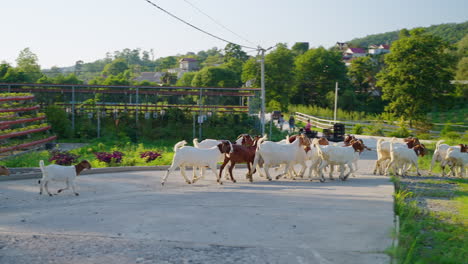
(64, 158)
(150, 155)
(107, 157)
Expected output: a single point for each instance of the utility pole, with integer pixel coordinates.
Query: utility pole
(262, 67)
(336, 101)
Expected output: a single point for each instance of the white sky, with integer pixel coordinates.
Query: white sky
(60, 32)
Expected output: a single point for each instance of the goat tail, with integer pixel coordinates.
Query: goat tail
(260, 141)
(195, 142)
(438, 144)
(379, 142)
(42, 166)
(179, 145)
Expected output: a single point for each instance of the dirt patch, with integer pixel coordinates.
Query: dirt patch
(432, 194)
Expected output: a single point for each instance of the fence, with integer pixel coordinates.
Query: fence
(99, 101)
(386, 127)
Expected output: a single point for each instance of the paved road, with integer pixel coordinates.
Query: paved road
(130, 218)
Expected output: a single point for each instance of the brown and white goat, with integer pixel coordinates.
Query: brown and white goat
(67, 174)
(241, 154)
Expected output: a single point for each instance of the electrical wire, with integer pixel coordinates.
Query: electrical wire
(195, 27)
(217, 22)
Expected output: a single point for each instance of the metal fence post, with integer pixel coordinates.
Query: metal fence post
(73, 109)
(200, 118)
(98, 123)
(136, 106)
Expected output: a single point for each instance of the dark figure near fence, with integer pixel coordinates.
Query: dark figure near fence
(291, 123)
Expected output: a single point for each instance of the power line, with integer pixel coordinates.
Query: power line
(217, 22)
(195, 27)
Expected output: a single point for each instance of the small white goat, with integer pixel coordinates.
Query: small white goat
(459, 159)
(196, 157)
(4, 171)
(403, 158)
(336, 155)
(440, 154)
(273, 154)
(67, 174)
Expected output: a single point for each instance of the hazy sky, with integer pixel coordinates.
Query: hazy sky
(61, 32)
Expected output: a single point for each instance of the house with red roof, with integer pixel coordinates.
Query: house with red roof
(379, 49)
(355, 52)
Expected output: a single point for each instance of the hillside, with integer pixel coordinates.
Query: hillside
(451, 32)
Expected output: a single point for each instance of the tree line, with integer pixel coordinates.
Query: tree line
(413, 79)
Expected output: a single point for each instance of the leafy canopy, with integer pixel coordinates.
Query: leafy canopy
(417, 75)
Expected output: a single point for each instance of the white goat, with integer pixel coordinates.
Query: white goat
(196, 157)
(440, 155)
(383, 155)
(67, 174)
(456, 159)
(335, 155)
(402, 157)
(209, 143)
(273, 154)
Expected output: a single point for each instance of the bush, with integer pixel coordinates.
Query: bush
(401, 132)
(375, 130)
(358, 129)
(114, 157)
(64, 158)
(58, 119)
(424, 136)
(452, 135)
(447, 128)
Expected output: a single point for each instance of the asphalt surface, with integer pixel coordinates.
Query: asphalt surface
(130, 218)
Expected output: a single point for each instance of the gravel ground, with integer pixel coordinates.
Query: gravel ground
(435, 196)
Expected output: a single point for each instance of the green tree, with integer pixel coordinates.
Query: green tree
(9, 74)
(300, 48)
(462, 47)
(417, 74)
(462, 75)
(186, 79)
(362, 72)
(317, 70)
(279, 75)
(215, 77)
(168, 79)
(115, 67)
(27, 62)
(251, 72)
(234, 51)
(165, 63)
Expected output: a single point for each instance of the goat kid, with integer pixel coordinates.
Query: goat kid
(401, 157)
(67, 174)
(457, 159)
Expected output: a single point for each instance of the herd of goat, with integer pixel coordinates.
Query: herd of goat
(261, 155)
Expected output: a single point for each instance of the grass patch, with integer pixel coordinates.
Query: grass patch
(427, 237)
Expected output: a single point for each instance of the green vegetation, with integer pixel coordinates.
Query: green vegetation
(131, 152)
(427, 236)
(451, 33)
(410, 82)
